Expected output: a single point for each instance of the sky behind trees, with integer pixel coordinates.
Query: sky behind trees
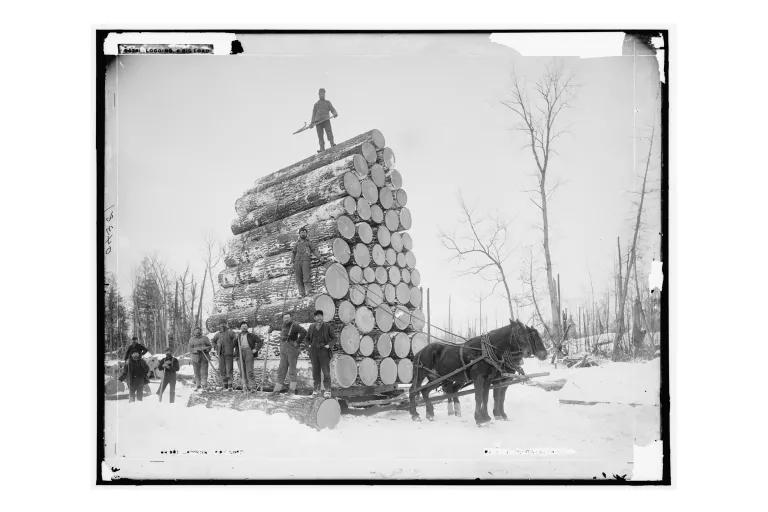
(188, 134)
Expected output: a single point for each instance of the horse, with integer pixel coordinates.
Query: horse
(505, 348)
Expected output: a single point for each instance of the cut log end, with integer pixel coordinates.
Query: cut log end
(401, 345)
(369, 154)
(336, 281)
(343, 370)
(405, 371)
(367, 371)
(384, 344)
(352, 184)
(364, 210)
(384, 317)
(345, 227)
(341, 251)
(364, 320)
(349, 339)
(366, 348)
(346, 311)
(361, 162)
(325, 304)
(388, 371)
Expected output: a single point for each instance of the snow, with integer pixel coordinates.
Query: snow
(544, 438)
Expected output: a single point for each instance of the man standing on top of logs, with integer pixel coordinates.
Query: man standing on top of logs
(301, 258)
(291, 337)
(135, 346)
(199, 347)
(224, 342)
(321, 119)
(248, 344)
(321, 341)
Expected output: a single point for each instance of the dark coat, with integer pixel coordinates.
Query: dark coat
(319, 337)
(135, 347)
(254, 341)
(224, 343)
(135, 373)
(172, 368)
(293, 333)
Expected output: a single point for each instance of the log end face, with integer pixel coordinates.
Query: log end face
(328, 413)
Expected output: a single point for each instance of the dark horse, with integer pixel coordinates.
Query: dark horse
(510, 343)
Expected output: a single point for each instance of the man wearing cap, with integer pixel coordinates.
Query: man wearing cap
(169, 365)
(224, 342)
(291, 337)
(248, 344)
(301, 259)
(321, 341)
(199, 348)
(135, 346)
(322, 113)
(136, 373)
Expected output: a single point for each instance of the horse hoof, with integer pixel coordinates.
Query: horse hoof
(450, 413)
(415, 418)
(500, 417)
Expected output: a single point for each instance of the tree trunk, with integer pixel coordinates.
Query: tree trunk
(552, 286)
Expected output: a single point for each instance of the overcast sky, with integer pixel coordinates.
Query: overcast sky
(190, 133)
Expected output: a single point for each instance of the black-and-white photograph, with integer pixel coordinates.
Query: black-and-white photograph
(383, 256)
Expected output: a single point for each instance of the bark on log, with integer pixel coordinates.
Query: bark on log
(301, 197)
(415, 277)
(349, 339)
(384, 344)
(367, 371)
(384, 317)
(223, 299)
(316, 178)
(377, 214)
(386, 197)
(346, 311)
(270, 290)
(267, 314)
(418, 341)
(374, 295)
(338, 152)
(369, 190)
(390, 293)
(270, 267)
(357, 294)
(343, 370)
(318, 221)
(383, 236)
(388, 371)
(336, 281)
(378, 174)
(364, 232)
(363, 209)
(366, 346)
(394, 275)
(381, 275)
(401, 198)
(364, 320)
(401, 345)
(405, 371)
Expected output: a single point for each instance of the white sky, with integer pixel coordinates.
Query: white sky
(192, 132)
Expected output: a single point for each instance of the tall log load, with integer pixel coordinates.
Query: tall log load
(363, 274)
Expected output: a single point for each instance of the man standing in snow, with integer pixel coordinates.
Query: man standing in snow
(322, 113)
(291, 337)
(199, 348)
(135, 346)
(321, 341)
(169, 365)
(135, 373)
(301, 259)
(246, 349)
(224, 342)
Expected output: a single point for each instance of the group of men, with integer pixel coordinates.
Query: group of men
(241, 346)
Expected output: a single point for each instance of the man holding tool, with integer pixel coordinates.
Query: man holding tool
(322, 113)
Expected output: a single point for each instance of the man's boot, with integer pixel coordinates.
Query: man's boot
(278, 389)
(316, 392)
(292, 388)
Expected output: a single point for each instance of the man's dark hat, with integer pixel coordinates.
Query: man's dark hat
(319, 312)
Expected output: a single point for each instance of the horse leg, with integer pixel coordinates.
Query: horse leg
(412, 399)
(486, 390)
(428, 402)
(480, 418)
(498, 403)
(456, 406)
(449, 389)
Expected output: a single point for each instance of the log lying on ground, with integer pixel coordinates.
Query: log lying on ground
(318, 222)
(300, 198)
(316, 178)
(315, 412)
(338, 152)
(272, 266)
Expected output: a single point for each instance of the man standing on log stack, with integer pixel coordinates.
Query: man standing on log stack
(321, 341)
(248, 344)
(321, 119)
(199, 347)
(224, 342)
(301, 259)
(292, 336)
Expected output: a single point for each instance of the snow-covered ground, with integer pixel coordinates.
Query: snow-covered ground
(544, 438)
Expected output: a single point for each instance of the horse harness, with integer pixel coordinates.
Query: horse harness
(507, 359)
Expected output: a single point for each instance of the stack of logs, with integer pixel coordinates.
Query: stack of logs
(352, 202)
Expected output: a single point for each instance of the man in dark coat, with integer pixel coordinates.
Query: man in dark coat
(169, 365)
(135, 374)
(301, 257)
(291, 337)
(246, 349)
(224, 342)
(135, 346)
(321, 340)
(322, 112)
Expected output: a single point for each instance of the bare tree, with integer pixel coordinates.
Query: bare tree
(483, 249)
(539, 121)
